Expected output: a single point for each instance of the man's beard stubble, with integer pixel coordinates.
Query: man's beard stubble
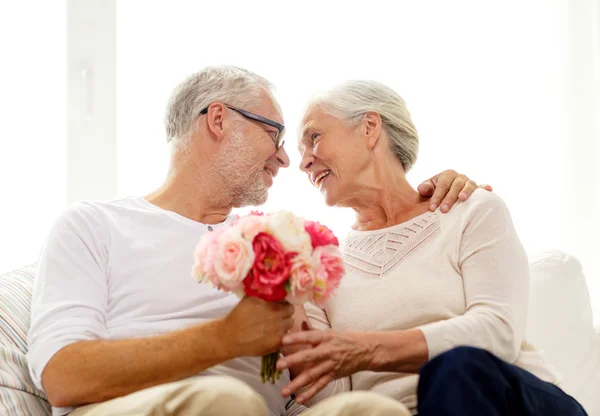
(240, 173)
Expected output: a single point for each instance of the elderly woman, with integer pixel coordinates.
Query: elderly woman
(432, 309)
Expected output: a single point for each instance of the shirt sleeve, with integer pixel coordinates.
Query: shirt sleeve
(318, 320)
(495, 273)
(70, 297)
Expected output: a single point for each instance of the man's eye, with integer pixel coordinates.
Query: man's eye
(314, 136)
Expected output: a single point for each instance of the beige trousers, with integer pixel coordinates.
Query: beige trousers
(227, 396)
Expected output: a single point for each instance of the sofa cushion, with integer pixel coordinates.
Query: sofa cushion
(18, 394)
(560, 322)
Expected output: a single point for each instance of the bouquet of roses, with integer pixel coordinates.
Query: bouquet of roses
(277, 257)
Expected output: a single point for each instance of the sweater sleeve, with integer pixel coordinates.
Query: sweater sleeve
(318, 320)
(70, 290)
(495, 274)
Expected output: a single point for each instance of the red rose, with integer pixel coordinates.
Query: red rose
(320, 235)
(271, 269)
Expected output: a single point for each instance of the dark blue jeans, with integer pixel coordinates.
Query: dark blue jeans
(472, 382)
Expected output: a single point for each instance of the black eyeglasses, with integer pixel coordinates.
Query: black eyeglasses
(278, 139)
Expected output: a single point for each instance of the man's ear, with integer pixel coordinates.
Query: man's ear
(372, 128)
(216, 120)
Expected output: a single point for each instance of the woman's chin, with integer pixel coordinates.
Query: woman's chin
(330, 199)
(328, 192)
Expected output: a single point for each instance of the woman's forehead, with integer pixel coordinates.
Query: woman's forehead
(316, 116)
(310, 113)
(313, 118)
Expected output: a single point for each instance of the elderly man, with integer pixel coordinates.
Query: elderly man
(118, 324)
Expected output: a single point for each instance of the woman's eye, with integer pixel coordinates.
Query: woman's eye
(314, 136)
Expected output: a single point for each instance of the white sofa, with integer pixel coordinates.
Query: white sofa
(560, 323)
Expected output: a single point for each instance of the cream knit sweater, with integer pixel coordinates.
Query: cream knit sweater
(461, 277)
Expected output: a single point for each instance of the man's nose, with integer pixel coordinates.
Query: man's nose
(282, 157)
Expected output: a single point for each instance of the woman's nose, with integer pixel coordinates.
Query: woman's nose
(306, 162)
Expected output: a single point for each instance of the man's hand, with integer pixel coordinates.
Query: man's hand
(447, 188)
(255, 327)
(93, 371)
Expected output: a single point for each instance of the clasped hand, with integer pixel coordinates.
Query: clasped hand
(328, 355)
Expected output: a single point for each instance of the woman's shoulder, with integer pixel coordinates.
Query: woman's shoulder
(479, 203)
(482, 198)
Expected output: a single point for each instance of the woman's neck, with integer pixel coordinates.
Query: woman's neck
(388, 204)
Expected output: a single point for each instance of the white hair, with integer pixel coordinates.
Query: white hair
(351, 100)
(227, 84)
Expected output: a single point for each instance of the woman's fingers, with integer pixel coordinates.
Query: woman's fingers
(315, 375)
(314, 389)
(302, 357)
(306, 337)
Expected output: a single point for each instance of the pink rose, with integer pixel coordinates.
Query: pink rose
(204, 256)
(330, 270)
(302, 280)
(234, 258)
(251, 225)
(270, 271)
(320, 235)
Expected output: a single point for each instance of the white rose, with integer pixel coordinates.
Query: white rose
(289, 230)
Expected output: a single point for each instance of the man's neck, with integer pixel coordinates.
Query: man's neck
(189, 197)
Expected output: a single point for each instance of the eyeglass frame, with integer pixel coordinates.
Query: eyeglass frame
(251, 116)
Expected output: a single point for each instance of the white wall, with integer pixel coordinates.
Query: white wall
(583, 148)
(494, 89)
(505, 92)
(32, 126)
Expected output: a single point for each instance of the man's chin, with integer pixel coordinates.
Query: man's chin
(253, 200)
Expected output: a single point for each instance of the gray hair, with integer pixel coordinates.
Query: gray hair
(351, 100)
(227, 84)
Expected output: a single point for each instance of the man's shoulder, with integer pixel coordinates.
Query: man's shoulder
(92, 208)
(89, 204)
(92, 213)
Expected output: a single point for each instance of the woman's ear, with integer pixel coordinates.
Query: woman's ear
(372, 126)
